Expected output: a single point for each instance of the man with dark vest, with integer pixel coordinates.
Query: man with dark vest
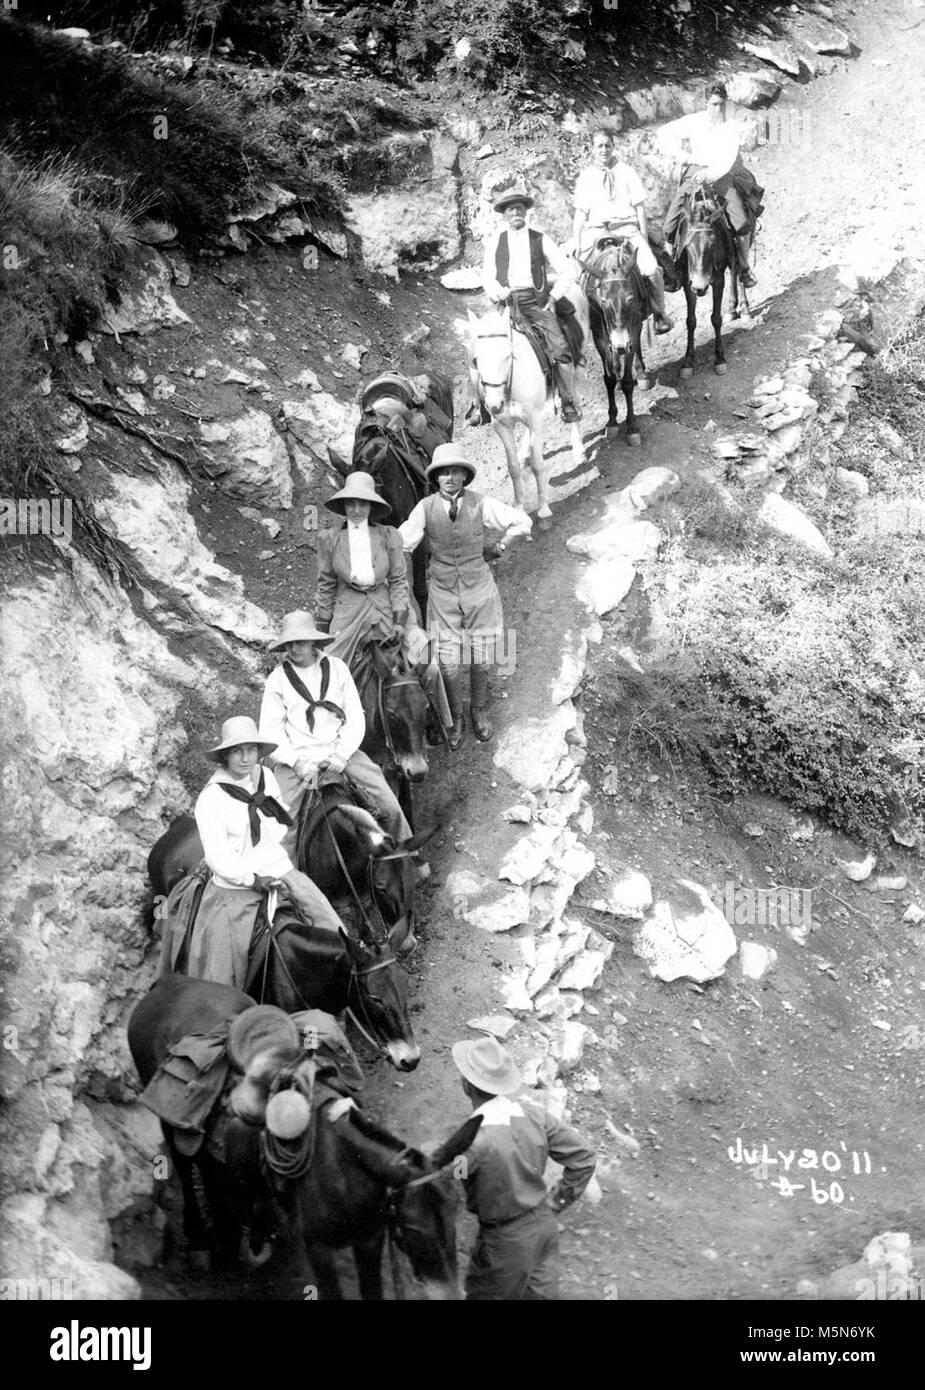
(463, 604)
(515, 271)
(312, 712)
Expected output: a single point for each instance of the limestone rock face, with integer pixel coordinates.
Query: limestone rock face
(152, 517)
(752, 89)
(90, 716)
(321, 419)
(249, 456)
(686, 937)
(146, 302)
(414, 225)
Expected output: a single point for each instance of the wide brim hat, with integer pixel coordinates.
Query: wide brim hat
(300, 627)
(237, 730)
(484, 1062)
(448, 456)
(512, 195)
(388, 384)
(261, 1029)
(359, 487)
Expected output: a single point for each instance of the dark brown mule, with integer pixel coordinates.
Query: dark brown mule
(616, 298)
(342, 1181)
(706, 250)
(297, 966)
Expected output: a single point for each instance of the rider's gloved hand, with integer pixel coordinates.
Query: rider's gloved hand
(333, 763)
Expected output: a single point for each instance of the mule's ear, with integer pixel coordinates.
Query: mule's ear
(457, 1143)
(338, 461)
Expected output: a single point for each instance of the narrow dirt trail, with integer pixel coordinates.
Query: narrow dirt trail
(695, 1070)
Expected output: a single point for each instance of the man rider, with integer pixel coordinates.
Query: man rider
(610, 200)
(708, 144)
(515, 270)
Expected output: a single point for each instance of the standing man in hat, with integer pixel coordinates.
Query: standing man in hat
(313, 712)
(242, 820)
(517, 1252)
(515, 271)
(611, 201)
(463, 604)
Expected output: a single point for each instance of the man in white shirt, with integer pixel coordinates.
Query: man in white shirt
(706, 144)
(463, 604)
(610, 201)
(312, 711)
(515, 271)
(242, 820)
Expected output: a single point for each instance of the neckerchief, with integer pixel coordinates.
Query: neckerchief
(255, 802)
(301, 689)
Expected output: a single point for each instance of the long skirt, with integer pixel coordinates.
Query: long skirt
(222, 934)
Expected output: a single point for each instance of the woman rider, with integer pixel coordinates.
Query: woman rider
(242, 818)
(362, 584)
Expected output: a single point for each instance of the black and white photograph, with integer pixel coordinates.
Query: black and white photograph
(462, 633)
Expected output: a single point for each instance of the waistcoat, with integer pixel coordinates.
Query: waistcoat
(455, 546)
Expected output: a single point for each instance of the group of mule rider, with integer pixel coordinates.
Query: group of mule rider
(311, 719)
(525, 269)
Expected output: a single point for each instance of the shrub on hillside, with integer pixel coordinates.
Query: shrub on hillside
(802, 682)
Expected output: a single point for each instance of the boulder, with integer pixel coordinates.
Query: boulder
(755, 960)
(604, 584)
(250, 458)
(628, 894)
(648, 486)
(526, 859)
(498, 1025)
(571, 669)
(467, 278)
(267, 200)
(853, 482)
(686, 937)
(76, 434)
(145, 300)
(501, 911)
(787, 520)
(153, 232)
(636, 540)
(857, 870)
(584, 971)
(531, 749)
(321, 420)
(752, 89)
(779, 55)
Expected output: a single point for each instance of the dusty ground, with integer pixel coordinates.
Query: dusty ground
(795, 1061)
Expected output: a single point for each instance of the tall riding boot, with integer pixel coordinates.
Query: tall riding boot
(452, 684)
(744, 246)
(663, 323)
(478, 684)
(565, 380)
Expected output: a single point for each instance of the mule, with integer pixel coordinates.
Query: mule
(616, 299)
(397, 461)
(295, 965)
(397, 710)
(514, 389)
(705, 251)
(336, 1180)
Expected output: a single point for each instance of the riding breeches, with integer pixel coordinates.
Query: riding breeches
(735, 209)
(544, 318)
(371, 787)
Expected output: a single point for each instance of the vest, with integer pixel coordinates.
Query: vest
(537, 260)
(455, 546)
